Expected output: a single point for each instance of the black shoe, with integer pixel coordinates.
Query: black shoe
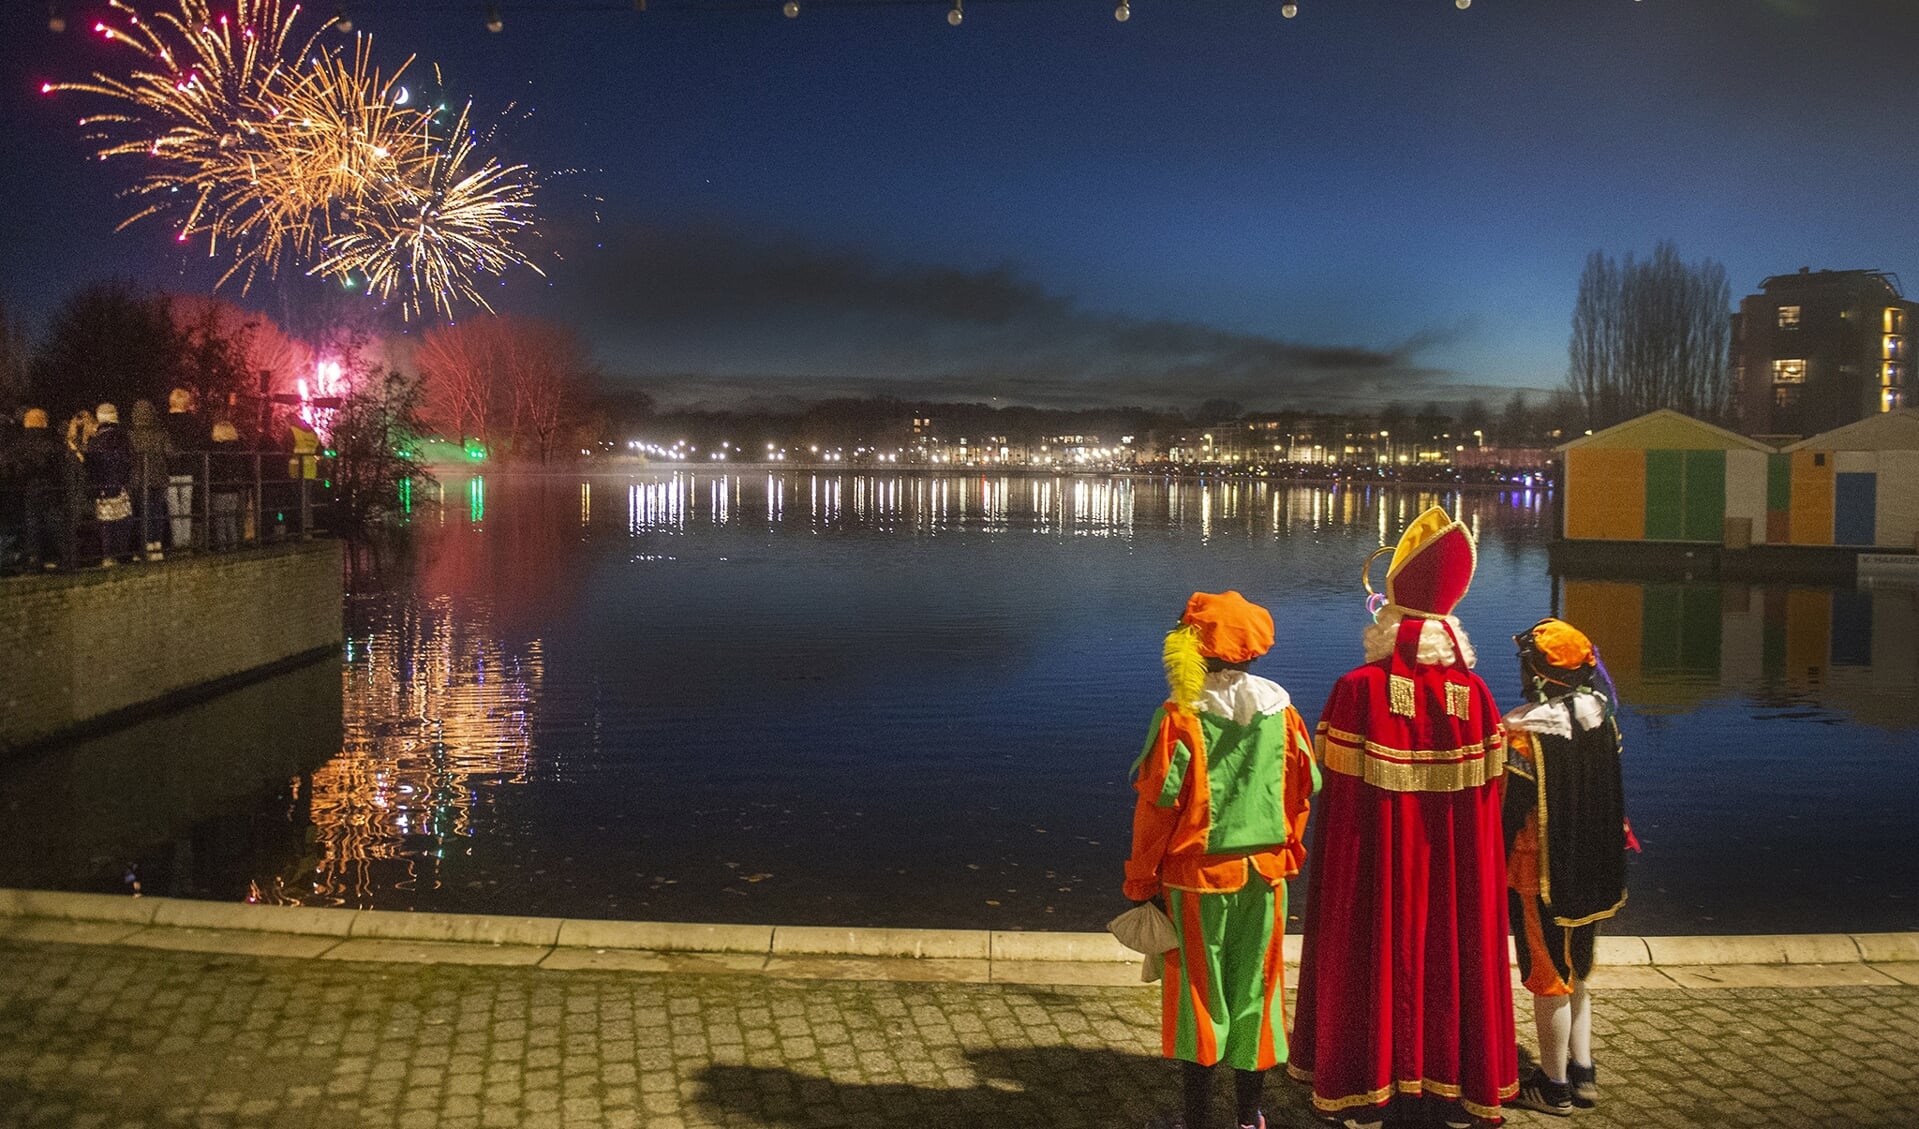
(1585, 1084)
(1541, 1093)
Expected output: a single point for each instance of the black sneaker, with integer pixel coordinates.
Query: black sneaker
(1541, 1093)
(1585, 1084)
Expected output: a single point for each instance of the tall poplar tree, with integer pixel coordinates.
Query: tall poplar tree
(1651, 334)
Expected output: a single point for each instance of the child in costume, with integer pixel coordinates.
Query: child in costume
(1566, 837)
(1224, 782)
(1403, 981)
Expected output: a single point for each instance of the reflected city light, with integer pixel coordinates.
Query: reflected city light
(438, 716)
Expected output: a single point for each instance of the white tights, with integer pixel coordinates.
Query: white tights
(1565, 1025)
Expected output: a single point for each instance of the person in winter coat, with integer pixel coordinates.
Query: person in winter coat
(186, 441)
(1223, 783)
(109, 473)
(225, 486)
(43, 471)
(149, 485)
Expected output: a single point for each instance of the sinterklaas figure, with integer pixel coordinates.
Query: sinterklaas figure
(1404, 991)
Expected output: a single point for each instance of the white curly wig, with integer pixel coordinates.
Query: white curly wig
(1435, 649)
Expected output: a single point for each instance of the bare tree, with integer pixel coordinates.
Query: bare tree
(504, 377)
(1649, 335)
(231, 356)
(547, 367)
(459, 370)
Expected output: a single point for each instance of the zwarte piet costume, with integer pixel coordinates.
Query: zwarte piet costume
(1223, 782)
(1403, 983)
(1565, 826)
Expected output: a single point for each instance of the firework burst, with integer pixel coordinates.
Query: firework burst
(342, 134)
(302, 158)
(192, 108)
(432, 235)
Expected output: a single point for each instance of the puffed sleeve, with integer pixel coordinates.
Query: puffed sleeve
(1159, 778)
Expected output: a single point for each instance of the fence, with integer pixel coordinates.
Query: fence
(208, 500)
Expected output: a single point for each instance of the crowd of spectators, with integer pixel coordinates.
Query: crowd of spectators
(106, 493)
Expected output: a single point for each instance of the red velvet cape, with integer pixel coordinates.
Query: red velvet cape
(1403, 983)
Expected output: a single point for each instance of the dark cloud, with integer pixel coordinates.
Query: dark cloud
(713, 316)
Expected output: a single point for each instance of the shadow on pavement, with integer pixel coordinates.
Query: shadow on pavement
(1055, 1087)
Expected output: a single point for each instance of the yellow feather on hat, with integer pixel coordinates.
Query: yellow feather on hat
(1185, 666)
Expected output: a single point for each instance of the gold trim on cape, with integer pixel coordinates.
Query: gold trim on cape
(1539, 803)
(1412, 1087)
(1590, 918)
(1399, 690)
(1374, 748)
(1437, 770)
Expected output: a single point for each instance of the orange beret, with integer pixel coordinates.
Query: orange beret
(1231, 628)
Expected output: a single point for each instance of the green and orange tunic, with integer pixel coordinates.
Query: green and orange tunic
(1219, 826)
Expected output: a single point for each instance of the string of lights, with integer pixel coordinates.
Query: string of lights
(494, 15)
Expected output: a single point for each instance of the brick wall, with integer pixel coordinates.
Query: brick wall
(78, 646)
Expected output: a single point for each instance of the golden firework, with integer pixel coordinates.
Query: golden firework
(305, 159)
(446, 225)
(195, 110)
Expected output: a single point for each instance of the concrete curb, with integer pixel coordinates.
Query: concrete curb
(820, 952)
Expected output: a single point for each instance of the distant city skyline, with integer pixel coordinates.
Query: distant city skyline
(1368, 203)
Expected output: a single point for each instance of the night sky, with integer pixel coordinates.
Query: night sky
(1376, 200)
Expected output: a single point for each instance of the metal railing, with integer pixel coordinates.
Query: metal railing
(215, 501)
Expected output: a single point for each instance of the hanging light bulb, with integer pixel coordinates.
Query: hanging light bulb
(957, 15)
(1289, 10)
(342, 22)
(493, 21)
(792, 9)
(1462, 5)
(1123, 13)
(56, 19)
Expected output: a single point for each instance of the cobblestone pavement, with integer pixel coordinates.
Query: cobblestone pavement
(104, 1036)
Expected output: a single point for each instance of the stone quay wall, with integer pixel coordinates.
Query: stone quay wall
(84, 650)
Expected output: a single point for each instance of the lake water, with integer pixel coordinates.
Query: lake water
(912, 700)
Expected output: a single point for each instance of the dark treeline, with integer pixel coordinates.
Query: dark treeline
(117, 343)
(615, 416)
(527, 389)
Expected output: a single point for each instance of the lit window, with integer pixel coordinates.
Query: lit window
(1789, 317)
(1789, 372)
(1892, 375)
(1786, 395)
(1895, 347)
(1895, 320)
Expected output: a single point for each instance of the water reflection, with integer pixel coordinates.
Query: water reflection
(153, 807)
(1080, 506)
(439, 715)
(902, 699)
(1673, 645)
